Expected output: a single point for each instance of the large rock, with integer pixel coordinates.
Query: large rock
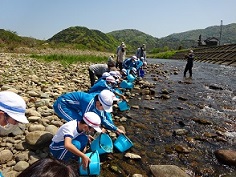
(21, 165)
(5, 156)
(227, 157)
(167, 171)
(38, 139)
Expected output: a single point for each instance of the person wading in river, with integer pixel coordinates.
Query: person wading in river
(189, 64)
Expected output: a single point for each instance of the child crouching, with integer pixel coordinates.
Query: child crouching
(70, 140)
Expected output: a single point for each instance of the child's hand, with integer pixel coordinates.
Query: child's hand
(90, 138)
(119, 131)
(123, 97)
(85, 161)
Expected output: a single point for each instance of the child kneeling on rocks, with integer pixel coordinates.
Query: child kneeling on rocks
(70, 140)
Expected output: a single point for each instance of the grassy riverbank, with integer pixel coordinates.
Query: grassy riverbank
(69, 59)
(166, 54)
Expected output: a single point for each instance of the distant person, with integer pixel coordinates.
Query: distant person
(141, 52)
(104, 76)
(109, 83)
(189, 65)
(124, 73)
(111, 63)
(49, 167)
(96, 70)
(121, 53)
(12, 111)
(130, 63)
(70, 141)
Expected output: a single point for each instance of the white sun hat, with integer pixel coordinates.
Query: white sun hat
(92, 120)
(105, 74)
(111, 79)
(134, 57)
(124, 71)
(114, 97)
(13, 105)
(113, 73)
(106, 99)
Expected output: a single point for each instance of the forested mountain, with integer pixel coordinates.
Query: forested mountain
(134, 38)
(83, 38)
(190, 38)
(177, 40)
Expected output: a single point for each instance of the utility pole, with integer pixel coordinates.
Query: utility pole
(221, 24)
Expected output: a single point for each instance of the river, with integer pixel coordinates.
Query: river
(204, 106)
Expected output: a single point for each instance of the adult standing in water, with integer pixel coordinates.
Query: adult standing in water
(189, 64)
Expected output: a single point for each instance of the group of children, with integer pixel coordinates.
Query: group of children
(88, 111)
(84, 111)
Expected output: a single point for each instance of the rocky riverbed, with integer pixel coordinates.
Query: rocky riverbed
(40, 83)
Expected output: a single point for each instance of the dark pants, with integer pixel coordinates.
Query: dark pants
(188, 67)
(119, 65)
(92, 77)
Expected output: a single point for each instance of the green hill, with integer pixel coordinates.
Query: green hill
(83, 38)
(134, 38)
(190, 38)
(10, 40)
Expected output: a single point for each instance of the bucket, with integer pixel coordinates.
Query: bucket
(123, 105)
(127, 85)
(130, 78)
(94, 164)
(123, 143)
(103, 144)
(117, 90)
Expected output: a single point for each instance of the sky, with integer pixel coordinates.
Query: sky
(41, 19)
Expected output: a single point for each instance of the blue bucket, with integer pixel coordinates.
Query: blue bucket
(123, 143)
(103, 144)
(94, 164)
(127, 85)
(123, 105)
(117, 90)
(130, 78)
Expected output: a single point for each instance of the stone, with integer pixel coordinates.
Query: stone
(226, 156)
(137, 175)
(180, 132)
(21, 165)
(167, 171)
(38, 139)
(5, 156)
(36, 127)
(132, 156)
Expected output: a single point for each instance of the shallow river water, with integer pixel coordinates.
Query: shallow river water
(209, 96)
